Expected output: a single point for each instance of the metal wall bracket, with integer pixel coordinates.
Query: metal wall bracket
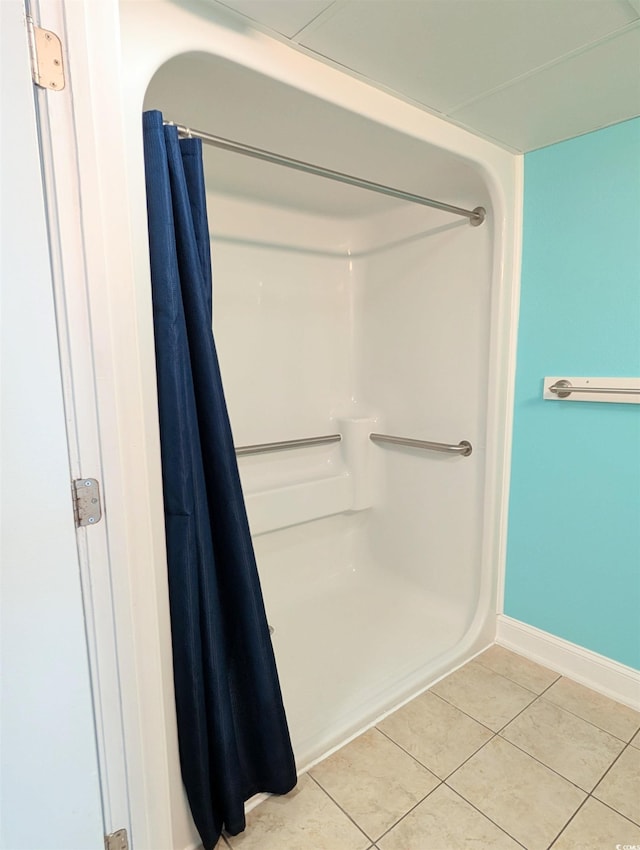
(479, 215)
(117, 840)
(87, 507)
(47, 67)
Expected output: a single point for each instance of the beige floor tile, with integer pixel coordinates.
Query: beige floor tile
(374, 781)
(439, 735)
(445, 820)
(520, 670)
(596, 827)
(635, 741)
(612, 716)
(488, 697)
(620, 788)
(569, 745)
(305, 819)
(523, 797)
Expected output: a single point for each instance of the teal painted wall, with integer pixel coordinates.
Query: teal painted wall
(573, 556)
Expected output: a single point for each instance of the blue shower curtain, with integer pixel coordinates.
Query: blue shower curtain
(233, 735)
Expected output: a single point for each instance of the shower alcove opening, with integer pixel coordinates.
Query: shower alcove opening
(339, 311)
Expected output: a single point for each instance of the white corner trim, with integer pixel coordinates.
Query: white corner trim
(510, 342)
(597, 672)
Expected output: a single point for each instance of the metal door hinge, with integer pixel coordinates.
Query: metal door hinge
(87, 507)
(45, 47)
(117, 840)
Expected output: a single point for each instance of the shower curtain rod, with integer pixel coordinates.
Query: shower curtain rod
(475, 216)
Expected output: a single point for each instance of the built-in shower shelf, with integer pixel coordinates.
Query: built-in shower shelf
(289, 487)
(284, 506)
(616, 390)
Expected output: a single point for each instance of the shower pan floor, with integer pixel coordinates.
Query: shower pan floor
(353, 645)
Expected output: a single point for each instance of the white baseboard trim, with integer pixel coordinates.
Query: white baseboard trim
(597, 672)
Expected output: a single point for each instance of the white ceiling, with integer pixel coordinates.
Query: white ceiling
(524, 73)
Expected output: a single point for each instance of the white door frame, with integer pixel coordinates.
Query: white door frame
(110, 430)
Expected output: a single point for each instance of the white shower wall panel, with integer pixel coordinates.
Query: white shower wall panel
(423, 301)
(351, 638)
(319, 320)
(281, 319)
(424, 307)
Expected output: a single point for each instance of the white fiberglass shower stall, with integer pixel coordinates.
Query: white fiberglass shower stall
(338, 311)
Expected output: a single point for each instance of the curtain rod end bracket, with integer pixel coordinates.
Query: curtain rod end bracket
(479, 215)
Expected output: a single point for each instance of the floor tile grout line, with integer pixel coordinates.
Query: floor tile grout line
(430, 769)
(491, 670)
(607, 771)
(526, 708)
(461, 710)
(493, 735)
(569, 711)
(590, 796)
(488, 728)
(511, 679)
(498, 734)
(542, 764)
(406, 814)
(526, 752)
(412, 757)
(590, 722)
(542, 695)
(343, 810)
(557, 836)
(444, 781)
(549, 686)
(616, 759)
(613, 809)
(493, 732)
(406, 752)
(484, 814)
(555, 681)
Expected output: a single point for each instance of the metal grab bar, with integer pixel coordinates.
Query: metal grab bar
(264, 448)
(463, 448)
(563, 389)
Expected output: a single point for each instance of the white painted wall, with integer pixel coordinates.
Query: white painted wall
(50, 796)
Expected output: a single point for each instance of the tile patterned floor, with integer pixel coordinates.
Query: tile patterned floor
(502, 754)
